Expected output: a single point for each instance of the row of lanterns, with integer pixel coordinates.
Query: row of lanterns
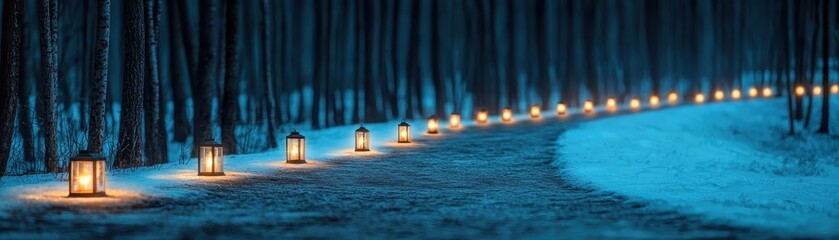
(87, 169)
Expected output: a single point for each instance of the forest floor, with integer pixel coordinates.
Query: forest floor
(493, 181)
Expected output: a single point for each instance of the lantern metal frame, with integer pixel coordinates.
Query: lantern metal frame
(97, 165)
(217, 150)
(435, 128)
(403, 126)
(295, 137)
(507, 114)
(365, 144)
(454, 123)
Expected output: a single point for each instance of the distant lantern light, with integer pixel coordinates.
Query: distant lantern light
(735, 94)
(699, 98)
(362, 139)
(753, 92)
(588, 107)
(404, 135)
(799, 91)
(673, 98)
(561, 108)
(295, 145)
(834, 89)
(611, 105)
(654, 101)
(433, 125)
(87, 175)
(211, 158)
(482, 116)
(634, 104)
(535, 111)
(454, 120)
(767, 92)
(719, 95)
(817, 90)
(507, 115)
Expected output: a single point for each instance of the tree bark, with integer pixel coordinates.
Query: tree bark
(204, 89)
(49, 61)
(825, 119)
(180, 91)
(154, 124)
(130, 145)
(10, 73)
(99, 85)
(230, 103)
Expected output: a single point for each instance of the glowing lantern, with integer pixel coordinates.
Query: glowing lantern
(817, 90)
(433, 125)
(561, 109)
(482, 116)
(654, 101)
(535, 111)
(673, 98)
(735, 94)
(719, 95)
(588, 107)
(506, 115)
(362, 139)
(767, 92)
(834, 89)
(700, 98)
(87, 175)
(799, 91)
(611, 105)
(634, 104)
(211, 158)
(404, 133)
(295, 145)
(454, 120)
(752, 92)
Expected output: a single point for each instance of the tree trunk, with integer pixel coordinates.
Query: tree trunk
(271, 136)
(204, 88)
(129, 150)
(230, 103)
(25, 123)
(49, 61)
(825, 119)
(180, 91)
(155, 143)
(99, 85)
(10, 73)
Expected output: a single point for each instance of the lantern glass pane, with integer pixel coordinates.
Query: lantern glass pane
(206, 162)
(361, 141)
(219, 157)
(296, 149)
(100, 176)
(82, 177)
(404, 134)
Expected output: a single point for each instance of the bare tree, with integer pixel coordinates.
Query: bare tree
(10, 73)
(230, 103)
(99, 85)
(130, 147)
(204, 86)
(154, 142)
(825, 120)
(49, 65)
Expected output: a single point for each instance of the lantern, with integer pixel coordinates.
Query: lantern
(611, 105)
(719, 95)
(295, 145)
(588, 107)
(506, 115)
(362, 139)
(752, 92)
(834, 89)
(87, 175)
(482, 116)
(654, 101)
(634, 104)
(404, 135)
(433, 125)
(535, 111)
(561, 109)
(454, 120)
(799, 91)
(735, 94)
(817, 90)
(767, 92)
(211, 158)
(673, 98)
(700, 98)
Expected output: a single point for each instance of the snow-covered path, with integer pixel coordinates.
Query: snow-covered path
(494, 181)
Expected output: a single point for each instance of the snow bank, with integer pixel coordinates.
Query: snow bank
(732, 162)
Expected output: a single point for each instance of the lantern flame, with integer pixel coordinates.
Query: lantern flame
(719, 95)
(735, 94)
(611, 105)
(834, 89)
(482, 116)
(767, 92)
(507, 115)
(753, 92)
(634, 104)
(403, 134)
(85, 180)
(454, 121)
(672, 98)
(700, 98)
(588, 107)
(208, 163)
(561, 109)
(817, 90)
(535, 111)
(799, 91)
(654, 101)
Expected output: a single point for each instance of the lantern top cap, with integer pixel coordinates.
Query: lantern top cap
(211, 142)
(432, 117)
(295, 134)
(87, 155)
(455, 113)
(404, 124)
(362, 129)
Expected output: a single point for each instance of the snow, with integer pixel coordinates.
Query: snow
(731, 162)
